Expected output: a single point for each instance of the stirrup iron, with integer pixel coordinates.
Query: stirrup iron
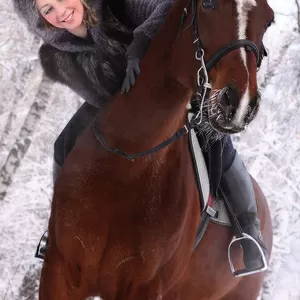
(42, 246)
(246, 272)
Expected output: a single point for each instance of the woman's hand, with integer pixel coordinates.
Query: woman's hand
(132, 72)
(135, 52)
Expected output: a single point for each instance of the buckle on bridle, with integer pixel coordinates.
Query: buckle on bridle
(184, 130)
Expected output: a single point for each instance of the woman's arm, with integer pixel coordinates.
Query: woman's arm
(147, 15)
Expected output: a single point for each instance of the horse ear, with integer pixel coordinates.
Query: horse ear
(209, 4)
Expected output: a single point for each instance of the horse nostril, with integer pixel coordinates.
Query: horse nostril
(228, 96)
(228, 99)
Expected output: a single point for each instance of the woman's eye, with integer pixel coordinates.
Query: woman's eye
(47, 11)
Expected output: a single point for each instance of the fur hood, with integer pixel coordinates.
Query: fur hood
(138, 17)
(63, 39)
(28, 12)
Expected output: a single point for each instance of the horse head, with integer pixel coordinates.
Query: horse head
(226, 38)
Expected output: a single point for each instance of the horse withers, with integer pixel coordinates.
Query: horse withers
(122, 225)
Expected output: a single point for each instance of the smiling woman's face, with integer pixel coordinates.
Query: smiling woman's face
(66, 14)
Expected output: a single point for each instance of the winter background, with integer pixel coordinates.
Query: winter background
(33, 111)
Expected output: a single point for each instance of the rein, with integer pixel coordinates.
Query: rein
(203, 85)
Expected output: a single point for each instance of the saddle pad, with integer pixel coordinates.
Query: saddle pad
(221, 217)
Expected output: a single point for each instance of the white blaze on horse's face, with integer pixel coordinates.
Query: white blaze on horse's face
(243, 9)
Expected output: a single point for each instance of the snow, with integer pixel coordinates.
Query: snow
(33, 111)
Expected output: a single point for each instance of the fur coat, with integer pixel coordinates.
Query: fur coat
(95, 67)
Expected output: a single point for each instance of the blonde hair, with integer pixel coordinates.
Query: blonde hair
(89, 15)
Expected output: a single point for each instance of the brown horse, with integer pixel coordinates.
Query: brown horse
(125, 229)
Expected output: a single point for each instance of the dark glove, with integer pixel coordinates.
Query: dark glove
(132, 71)
(135, 52)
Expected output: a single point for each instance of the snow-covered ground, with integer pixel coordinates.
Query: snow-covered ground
(34, 110)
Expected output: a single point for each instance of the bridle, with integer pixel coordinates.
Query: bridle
(249, 46)
(203, 85)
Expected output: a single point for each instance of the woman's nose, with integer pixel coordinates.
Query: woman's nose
(61, 11)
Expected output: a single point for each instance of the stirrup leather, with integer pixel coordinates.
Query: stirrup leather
(246, 272)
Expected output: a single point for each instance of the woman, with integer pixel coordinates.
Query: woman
(91, 47)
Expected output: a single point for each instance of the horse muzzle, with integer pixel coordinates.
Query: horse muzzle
(226, 113)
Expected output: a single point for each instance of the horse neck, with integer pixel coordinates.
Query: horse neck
(146, 117)
(155, 108)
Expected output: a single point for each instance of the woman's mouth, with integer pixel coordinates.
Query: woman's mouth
(69, 18)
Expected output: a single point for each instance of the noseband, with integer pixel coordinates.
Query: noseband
(203, 85)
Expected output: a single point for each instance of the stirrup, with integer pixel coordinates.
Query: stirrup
(42, 246)
(246, 272)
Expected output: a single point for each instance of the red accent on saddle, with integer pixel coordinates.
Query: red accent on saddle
(210, 200)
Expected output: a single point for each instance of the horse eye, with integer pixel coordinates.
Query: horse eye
(270, 23)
